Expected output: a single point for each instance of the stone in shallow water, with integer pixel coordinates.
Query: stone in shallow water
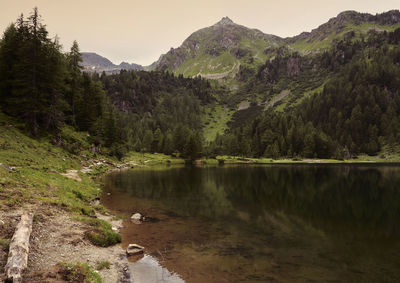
(134, 249)
(137, 218)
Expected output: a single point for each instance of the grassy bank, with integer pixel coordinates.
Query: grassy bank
(388, 158)
(39, 176)
(35, 172)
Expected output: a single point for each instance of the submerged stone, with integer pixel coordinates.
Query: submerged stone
(134, 249)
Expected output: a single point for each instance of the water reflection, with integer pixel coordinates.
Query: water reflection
(148, 270)
(275, 222)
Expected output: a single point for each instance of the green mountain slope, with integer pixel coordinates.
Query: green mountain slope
(229, 52)
(348, 23)
(338, 103)
(218, 51)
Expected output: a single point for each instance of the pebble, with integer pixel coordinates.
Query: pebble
(2, 222)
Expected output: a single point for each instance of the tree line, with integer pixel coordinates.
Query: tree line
(143, 111)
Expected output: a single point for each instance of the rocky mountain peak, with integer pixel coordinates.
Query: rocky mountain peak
(225, 21)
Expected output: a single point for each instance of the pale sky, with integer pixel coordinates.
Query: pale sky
(140, 31)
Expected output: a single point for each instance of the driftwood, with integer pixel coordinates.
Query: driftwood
(19, 248)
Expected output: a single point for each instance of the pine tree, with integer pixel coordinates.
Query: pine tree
(37, 67)
(193, 147)
(147, 140)
(74, 59)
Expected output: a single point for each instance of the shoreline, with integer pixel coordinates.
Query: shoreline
(59, 246)
(59, 232)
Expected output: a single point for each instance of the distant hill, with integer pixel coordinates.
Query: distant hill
(93, 62)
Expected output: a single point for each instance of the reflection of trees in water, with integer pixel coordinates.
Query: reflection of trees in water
(338, 199)
(335, 199)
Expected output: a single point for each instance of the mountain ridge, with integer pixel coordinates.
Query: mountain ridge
(223, 50)
(93, 62)
(391, 17)
(220, 50)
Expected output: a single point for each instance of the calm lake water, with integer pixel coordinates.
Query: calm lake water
(296, 223)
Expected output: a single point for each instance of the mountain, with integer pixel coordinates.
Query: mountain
(218, 51)
(93, 62)
(228, 51)
(345, 23)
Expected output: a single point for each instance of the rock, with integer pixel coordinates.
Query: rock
(72, 174)
(134, 249)
(109, 194)
(137, 218)
(8, 168)
(109, 163)
(1, 222)
(96, 201)
(86, 170)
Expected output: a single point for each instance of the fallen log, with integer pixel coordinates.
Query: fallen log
(19, 248)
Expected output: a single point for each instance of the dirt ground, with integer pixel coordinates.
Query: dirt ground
(57, 238)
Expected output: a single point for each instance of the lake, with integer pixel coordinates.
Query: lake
(282, 223)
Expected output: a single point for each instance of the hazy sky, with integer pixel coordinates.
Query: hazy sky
(140, 31)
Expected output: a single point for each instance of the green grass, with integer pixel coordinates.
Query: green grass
(103, 264)
(80, 272)
(257, 47)
(150, 159)
(386, 156)
(215, 121)
(36, 179)
(205, 64)
(304, 46)
(5, 244)
(101, 233)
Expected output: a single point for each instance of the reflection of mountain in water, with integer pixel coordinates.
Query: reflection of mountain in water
(254, 223)
(331, 198)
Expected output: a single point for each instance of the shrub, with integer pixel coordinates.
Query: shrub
(101, 233)
(103, 264)
(79, 272)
